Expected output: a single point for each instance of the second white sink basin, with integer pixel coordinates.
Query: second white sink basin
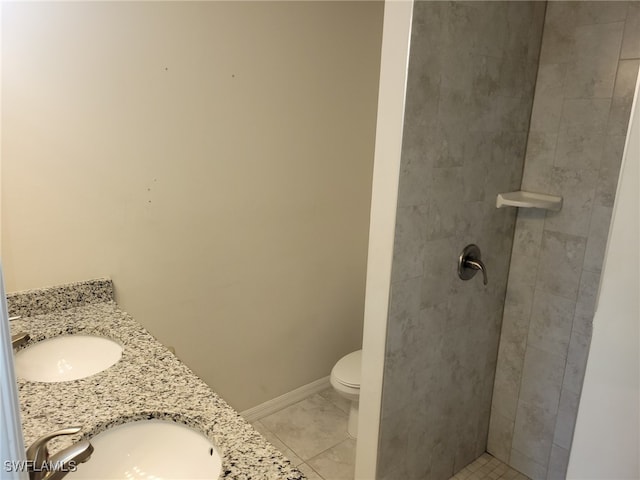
(152, 450)
(67, 357)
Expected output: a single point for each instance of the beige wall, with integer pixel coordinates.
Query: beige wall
(214, 159)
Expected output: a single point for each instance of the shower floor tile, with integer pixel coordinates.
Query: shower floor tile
(487, 467)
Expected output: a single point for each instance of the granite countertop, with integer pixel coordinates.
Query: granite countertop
(148, 382)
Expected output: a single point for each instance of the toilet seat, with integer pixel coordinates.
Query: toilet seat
(347, 371)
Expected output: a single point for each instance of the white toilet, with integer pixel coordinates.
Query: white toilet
(345, 379)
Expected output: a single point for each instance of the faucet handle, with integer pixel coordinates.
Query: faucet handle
(19, 339)
(477, 265)
(469, 263)
(38, 452)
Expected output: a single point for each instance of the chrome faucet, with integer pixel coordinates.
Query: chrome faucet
(43, 466)
(19, 339)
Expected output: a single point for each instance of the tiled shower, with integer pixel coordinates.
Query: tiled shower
(501, 96)
(587, 73)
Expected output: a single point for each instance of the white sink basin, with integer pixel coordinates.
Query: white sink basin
(67, 357)
(150, 449)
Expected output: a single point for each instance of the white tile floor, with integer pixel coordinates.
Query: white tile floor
(313, 435)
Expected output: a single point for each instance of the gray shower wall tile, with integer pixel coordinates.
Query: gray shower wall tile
(488, 77)
(510, 360)
(558, 463)
(579, 149)
(563, 20)
(516, 113)
(444, 206)
(413, 180)
(609, 170)
(560, 265)
(528, 466)
(588, 115)
(551, 323)
(436, 320)
(540, 159)
(408, 252)
(583, 95)
(524, 269)
(542, 376)
(566, 419)
(465, 452)
(592, 72)
(511, 147)
(424, 84)
(466, 312)
(393, 459)
(500, 437)
(515, 43)
(527, 238)
(558, 42)
(576, 361)
(484, 417)
(456, 111)
(464, 141)
(597, 241)
(548, 98)
(514, 82)
(419, 465)
(485, 25)
(533, 434)
(515, 323)
(519, 295)
(404, 309)
(583, 324)
(491, 343)
(587, 294)
(452, 145)
(599, 12)
(623, 97)
(508, 378)
(570, 15)
(440, 278)
(442, 463)
(539, 10)
(577, 187)
(631, 39)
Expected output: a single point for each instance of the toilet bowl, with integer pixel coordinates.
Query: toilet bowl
(345, 379)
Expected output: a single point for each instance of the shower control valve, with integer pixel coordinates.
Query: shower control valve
(470, 262)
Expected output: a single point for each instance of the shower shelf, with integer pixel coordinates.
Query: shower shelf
(529, 200)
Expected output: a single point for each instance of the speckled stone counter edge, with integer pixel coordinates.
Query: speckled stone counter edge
(148, 382)
(47, 300)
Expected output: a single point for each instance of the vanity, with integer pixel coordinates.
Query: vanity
(147, 383)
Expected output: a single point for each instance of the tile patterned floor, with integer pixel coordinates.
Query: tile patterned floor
(488, 467)
(313, 435)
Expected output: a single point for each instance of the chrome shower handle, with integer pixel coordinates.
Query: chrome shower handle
(477, 265)
(470, 262)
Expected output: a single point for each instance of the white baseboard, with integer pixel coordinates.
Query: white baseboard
(283, 401)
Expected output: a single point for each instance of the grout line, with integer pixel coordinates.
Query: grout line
(314, 470)
(306, 460)
(329, 448)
